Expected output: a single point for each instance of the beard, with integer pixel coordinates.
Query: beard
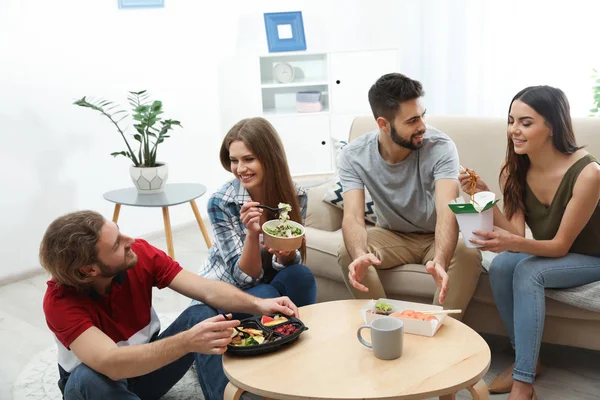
(110, 271)
(407, 144)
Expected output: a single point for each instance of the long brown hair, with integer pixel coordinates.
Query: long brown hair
(552, 104)
(259, 136)
(69, 244)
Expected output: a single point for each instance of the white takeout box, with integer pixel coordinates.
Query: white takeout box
(474, 216)
(424, 328)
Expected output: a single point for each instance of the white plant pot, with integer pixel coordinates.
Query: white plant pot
(149, 180)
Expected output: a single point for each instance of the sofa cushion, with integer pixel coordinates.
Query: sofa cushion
(585, 296)
(319, 214)
(407, 279)
(557, 307)
(322, 251)
(334, 197)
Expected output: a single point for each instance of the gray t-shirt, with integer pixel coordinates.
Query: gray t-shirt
(403, 193)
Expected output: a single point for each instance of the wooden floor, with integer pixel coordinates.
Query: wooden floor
(568, 373)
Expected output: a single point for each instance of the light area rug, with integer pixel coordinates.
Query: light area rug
(38, 380)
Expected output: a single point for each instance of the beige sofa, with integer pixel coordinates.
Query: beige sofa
(481, 144)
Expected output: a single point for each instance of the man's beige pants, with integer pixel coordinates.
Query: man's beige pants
(394, 248)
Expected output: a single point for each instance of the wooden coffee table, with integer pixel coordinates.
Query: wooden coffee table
(328, 362)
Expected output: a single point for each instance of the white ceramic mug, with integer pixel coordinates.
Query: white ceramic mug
(387, 337)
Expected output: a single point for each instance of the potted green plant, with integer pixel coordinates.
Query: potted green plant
(595, 111)
(148, 174)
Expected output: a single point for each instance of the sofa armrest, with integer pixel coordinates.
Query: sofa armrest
(322, 215)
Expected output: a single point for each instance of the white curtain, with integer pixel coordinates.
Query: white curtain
(477, 54)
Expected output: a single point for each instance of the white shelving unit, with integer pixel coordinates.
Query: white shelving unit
(311, 73)
(290, 112)
(295, 84)
(342, 78)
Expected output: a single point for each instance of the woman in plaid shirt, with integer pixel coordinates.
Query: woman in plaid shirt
(254, 153)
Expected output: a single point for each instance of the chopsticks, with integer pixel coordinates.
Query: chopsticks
(235, 327)
(441, 312)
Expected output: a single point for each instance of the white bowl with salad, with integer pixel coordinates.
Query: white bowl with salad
(282, 234)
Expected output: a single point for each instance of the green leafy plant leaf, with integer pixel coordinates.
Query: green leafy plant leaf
(595, 110)
(145, 114)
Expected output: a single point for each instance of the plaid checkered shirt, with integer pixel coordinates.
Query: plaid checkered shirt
(229, 231)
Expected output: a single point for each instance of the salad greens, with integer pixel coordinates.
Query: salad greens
(383, 307)
(283, 214)
(284, 229)
(250, 341)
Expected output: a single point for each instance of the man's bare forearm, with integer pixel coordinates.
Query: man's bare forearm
(131, 361)
(446, 237)
(224, 296)
(355, 237)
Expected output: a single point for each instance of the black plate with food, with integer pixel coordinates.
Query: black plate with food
(264, 334)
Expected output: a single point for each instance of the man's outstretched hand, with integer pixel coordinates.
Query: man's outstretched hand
(358, 268)
(278, 305)
(441, 277)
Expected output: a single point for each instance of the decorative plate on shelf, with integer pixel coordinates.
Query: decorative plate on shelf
(283, 72)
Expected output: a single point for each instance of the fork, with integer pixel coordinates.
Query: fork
(272, 209)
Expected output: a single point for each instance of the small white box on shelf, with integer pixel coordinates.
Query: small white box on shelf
(309, 101)
(413, 326)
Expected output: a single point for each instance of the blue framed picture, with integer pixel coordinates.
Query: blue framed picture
(141, 3)
(285, 31)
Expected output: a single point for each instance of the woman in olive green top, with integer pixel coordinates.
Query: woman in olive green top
(553, 186)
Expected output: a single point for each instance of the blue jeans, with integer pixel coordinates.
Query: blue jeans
(520, 279)
(85, 383)
(295, 281)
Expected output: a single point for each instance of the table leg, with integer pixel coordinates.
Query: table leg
(168, 232)
(201, 224)
(232, 392)
(479, 391)
(116, 213)
(448, 397)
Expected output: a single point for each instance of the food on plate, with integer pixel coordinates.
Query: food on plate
(412, 314)
(286, 329)
(383, 308)
(252, 331)
(249, 341)
(272, 321)
(248, 337)
(284, 229)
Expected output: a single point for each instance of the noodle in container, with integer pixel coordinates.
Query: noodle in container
(475, 215)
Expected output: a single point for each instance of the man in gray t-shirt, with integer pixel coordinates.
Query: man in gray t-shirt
(411, 171)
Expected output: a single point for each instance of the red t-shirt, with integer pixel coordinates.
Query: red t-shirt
(125, 314)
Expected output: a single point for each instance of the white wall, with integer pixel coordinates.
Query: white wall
(56, 155)
(479, 54)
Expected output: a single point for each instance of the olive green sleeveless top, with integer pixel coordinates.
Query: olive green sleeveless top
(544, 221)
